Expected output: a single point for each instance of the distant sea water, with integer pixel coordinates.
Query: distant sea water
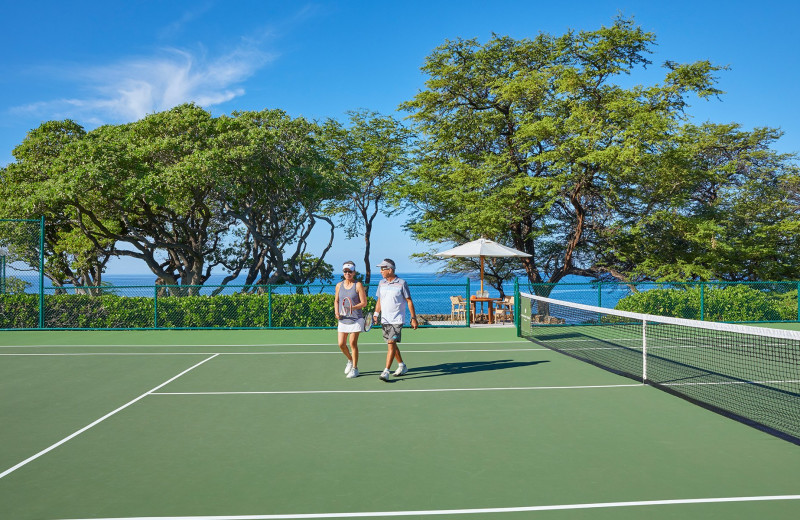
(411, 278)
(571, 288)
(215, 279)
(430, 291)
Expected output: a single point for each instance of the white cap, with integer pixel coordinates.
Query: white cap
(387, 262)
(349, 265)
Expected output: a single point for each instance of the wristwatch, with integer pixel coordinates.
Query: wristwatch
(413, 317)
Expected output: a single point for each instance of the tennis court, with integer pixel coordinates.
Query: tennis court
(263, 424)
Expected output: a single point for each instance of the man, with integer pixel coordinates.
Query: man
(393, 298)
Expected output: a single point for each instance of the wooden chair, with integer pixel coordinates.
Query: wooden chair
(504, 310)
(458, 310)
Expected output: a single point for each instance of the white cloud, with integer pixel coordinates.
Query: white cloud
(133, 88)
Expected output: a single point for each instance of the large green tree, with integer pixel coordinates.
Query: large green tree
(539, 141)
(733, 215)
(273, 180)
(30, 188)
(146, 186)
(180, 190)
(369, 154)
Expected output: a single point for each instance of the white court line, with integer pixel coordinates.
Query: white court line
(98, 421)
(229, 345)
(488, 510)
(285, 353)
(401, 390)
(112, 354)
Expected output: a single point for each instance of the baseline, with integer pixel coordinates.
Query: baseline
(328, 344)
(281, 353)
(491, 510)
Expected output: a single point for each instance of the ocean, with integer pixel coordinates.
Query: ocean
(431, 291)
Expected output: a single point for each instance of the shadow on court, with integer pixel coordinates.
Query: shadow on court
(464, 367)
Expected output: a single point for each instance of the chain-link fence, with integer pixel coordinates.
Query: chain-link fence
(208, 306)
(21, 272)
(710, 301)
(26, 302)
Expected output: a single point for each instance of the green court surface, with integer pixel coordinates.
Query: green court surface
(263, 424)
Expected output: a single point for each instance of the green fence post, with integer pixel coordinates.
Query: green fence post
(469, 305)
(702, 300)
(516, 307)
(599, 294)
(798, 301)
(2, 274)
(155, 306)
(41, 272)
(269, 306)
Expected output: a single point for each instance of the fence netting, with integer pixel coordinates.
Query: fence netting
(208, 306)
(28, 300)
(21, 260)
(705, 301)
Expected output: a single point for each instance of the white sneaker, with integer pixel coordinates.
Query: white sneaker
(353, 373)
(385, 375)
(348, 367)
(401, 370)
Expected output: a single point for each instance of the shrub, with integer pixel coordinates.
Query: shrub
(113, 311)
(727, 303)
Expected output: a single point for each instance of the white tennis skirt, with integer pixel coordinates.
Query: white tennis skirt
(352, 326)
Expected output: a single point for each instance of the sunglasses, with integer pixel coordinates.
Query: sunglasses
(386, 268)
(348, 271)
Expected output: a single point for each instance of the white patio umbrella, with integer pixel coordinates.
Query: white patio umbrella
(483, 247)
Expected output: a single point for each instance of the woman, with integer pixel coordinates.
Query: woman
(350, 288)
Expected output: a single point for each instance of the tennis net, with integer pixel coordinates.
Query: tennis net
(751, 374)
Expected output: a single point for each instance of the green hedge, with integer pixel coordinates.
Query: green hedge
(112, 311)
(19, 311)
(731, 304)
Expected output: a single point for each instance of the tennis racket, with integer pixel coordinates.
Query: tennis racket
(368, 321)
(346, 311)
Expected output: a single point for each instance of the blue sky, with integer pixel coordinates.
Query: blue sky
(113, 61)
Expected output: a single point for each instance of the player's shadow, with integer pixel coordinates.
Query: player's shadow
(466, 367)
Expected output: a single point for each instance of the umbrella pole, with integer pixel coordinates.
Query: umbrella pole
(481, 275)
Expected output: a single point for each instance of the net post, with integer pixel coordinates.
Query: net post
(41, 272)
(644, 351)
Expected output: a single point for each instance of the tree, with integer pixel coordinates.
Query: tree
(31, 188)
(273, 180)
(731, 217)
(370, 155)
(533, 139)
(147, 185)
(179, 190)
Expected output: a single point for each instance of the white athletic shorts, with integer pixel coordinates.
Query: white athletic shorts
(352, 326)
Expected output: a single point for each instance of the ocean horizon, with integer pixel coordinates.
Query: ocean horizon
(412, 278)
(430, 290)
